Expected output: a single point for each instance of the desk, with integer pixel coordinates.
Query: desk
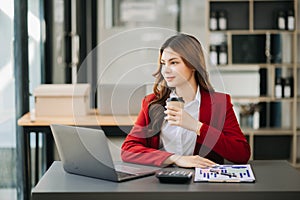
(59, 185)
(42, 125)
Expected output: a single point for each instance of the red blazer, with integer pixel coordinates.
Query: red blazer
(220, 135)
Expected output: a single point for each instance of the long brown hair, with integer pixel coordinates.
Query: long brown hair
(191, 52)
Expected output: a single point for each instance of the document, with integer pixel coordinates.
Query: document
(225, 173)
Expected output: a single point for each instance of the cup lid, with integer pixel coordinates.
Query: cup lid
(174, 98)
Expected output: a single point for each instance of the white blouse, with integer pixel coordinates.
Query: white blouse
(178, 140)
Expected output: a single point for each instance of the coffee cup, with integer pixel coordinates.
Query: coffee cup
(175, 101)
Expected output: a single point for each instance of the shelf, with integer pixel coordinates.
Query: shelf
(255, 66)
(237, 10)
(253, 32)
(255, 45)
(267, 131)
(297, 165)
(277, 65)
(237, 99)
(264, 12)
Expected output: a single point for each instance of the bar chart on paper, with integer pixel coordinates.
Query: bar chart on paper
(225, 173)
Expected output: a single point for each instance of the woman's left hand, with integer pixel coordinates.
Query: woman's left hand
(178, 117)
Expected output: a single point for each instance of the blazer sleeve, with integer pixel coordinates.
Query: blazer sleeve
(140, 145)
(225, 137)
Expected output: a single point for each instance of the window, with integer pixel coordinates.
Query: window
(7, 105)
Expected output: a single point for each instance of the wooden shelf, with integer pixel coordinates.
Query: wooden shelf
(92, 119)
(268, 131)
(297, 165)
(276, 65)
(254, 32)
(252, 26)
(251, 67)
(237, 99)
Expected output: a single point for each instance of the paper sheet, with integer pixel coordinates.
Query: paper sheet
(225, 173)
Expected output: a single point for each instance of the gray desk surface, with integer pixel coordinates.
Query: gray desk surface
(274, 180)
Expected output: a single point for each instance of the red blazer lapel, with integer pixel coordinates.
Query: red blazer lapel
(205, 110)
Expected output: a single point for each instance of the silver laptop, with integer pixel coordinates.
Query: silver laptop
(120, 99)
(85, 151)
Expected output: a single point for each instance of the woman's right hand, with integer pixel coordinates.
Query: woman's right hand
(190, 161)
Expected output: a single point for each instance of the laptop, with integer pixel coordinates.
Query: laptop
(120, 99)
(85, 151)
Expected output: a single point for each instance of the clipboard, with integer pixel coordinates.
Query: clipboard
(225, 173)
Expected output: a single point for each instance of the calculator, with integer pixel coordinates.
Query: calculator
(174, 176)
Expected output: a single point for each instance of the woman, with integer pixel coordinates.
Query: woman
(202, 133)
